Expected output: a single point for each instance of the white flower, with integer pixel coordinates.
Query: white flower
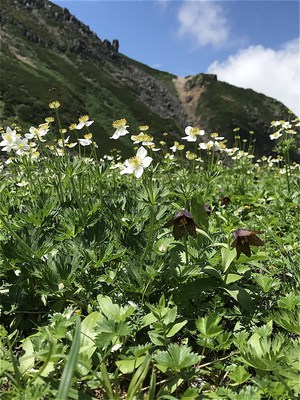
(192, 133)
(85, 142)
(120, 126)
(136, 164)
(286, 125)
(177, 146)
(169, 156)
(9, 138)
(39, 132)
(21, 145)
(146, 140)
(275, 135)
(276, 123)
(206, 146)
(83, 121)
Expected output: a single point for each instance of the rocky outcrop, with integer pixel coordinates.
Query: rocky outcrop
(153, 92)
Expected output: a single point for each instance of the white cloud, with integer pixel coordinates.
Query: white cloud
(273, 73)
(203, 21)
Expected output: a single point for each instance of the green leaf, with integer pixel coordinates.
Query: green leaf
(242, 297)
(289, 301)
(169, 315)
(88, 333)
(239, 375)
(266, 283)
(227, 257)
(198, 212)
(176, 357)
(209, 326)
(190, 394)
(67, 376)
(27, 359)
(156, 338)
(288, 320)
(128, 365)
(176, 328)
(230, 278)
(213, 272)
(114, 311)
(148, 320)
(138, 378)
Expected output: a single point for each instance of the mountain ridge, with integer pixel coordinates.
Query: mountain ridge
(49, 55)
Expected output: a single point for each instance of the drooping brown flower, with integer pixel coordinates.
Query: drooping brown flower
(243, 239)
(225, 201)
(183, 225)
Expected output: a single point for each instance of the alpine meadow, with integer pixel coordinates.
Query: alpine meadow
(141, 257)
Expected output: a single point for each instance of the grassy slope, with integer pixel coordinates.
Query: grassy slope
(85, 85)
(80, 85)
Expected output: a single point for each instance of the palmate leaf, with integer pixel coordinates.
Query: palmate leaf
(209, 326)
(176, 358)
(289, 320)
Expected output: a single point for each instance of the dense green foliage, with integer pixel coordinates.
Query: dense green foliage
(100, 301)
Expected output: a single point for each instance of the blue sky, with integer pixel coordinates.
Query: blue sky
(251, 44)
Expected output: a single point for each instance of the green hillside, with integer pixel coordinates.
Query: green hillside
(47, 54)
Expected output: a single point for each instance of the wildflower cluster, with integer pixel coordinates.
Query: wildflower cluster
(37, 140)
(157, 304)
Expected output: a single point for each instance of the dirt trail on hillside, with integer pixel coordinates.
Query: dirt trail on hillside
(189, 98)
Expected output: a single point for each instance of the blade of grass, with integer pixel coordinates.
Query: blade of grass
(106, 382)
(138, 378)
(66, 379)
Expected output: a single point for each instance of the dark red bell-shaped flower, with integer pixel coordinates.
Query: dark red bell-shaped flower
(183, 225)
(243, 239)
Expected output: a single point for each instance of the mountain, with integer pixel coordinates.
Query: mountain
(47, 54)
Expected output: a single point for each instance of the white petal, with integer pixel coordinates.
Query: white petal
(139, 172)
(80, 125)
(190, 138)
(127, 170)
(147, 161)
(88, 123)
(188, 129)
(115, 135)
(141, 153)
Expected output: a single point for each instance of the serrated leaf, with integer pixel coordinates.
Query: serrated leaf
(27, 359)
(176, 357)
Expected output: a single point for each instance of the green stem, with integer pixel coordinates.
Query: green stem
(149, 190)
(186, 251)
(24, 244)
(149, 241)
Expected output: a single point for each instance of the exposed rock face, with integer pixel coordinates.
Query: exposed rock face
(153, 92)
(189, 91)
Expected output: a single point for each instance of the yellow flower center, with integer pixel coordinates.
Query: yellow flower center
(143, 127)
(135, 162)
(84, 118)
(119, 123)
(54, 105)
